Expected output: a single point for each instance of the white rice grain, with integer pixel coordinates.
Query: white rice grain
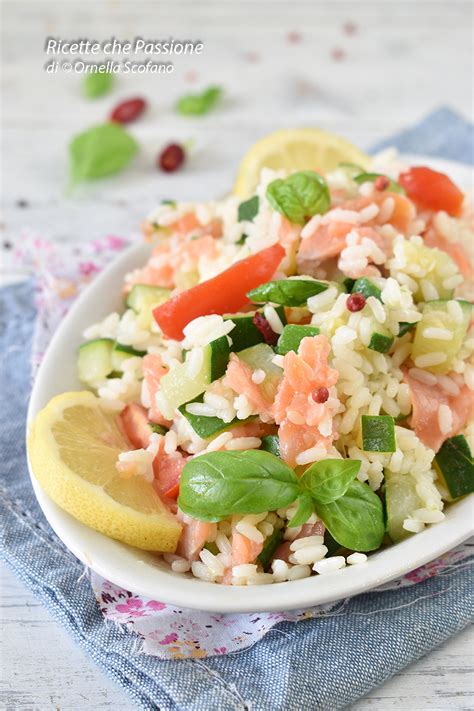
(308, 555)
(328, 565)
(273, 318)
(445, 419)
(439, 334)
(356, 558)
(429, 359)
(241, 443)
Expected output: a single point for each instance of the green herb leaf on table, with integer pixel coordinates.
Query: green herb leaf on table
(329, 479)
(100, 151)
(248, 209)
(303, 512)
(300, 196)
(219, 484)
(356, 519)
(287, 292)
(97, 84)
(199, 104)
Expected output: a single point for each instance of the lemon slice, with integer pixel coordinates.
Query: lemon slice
(73, 446)
(295, 149)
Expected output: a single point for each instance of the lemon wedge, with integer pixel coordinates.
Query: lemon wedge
(73, 446)
(295, 149)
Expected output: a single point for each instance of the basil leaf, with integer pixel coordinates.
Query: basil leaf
(101, 150)
(199, 104)
(248, 210)
(300, 196)
(304, 511)
(355, 520)
(97, 84)
(393, 187)
(216, 485)
(287, 292)
(329, 479)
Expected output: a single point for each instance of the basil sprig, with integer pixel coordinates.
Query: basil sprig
(287, 292)
(101, 150)
(300, 196)
(199, 104)
(220, 484)
(356, 519)
(329, 479)
(392, 187)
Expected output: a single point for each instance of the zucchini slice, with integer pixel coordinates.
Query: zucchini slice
(292, 336)
(455, 466)
(378, 433)
(94, 360)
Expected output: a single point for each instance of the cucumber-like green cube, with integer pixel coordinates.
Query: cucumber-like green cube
(455, 466)
(365, 287)
(271, 443)
(381, 342)
(292, 336)
(378, 433)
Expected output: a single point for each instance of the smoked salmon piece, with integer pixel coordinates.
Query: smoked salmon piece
(426, 400)
(193, 537)
(295, 410)
(153, 371)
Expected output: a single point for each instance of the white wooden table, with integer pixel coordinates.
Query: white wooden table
(364, 70)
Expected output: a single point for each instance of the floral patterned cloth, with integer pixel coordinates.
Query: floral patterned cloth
(164, 631)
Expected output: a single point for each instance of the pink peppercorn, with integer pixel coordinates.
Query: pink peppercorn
(381, 183)
(355, 302)
(320, 395)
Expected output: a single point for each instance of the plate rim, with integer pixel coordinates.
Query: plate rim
(147, 578)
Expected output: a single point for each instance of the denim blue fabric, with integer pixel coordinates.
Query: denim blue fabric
(320, 664)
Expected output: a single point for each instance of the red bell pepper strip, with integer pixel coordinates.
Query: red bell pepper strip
(432, 190)
(224, 293)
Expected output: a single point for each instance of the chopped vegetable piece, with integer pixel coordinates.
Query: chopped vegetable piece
(390, 185)
(94, 361)
(455, 466)
(224, 293)
(432, 190)
(178, 386)
(378, 433)
(365, 287)
(401, 499)
(271, 443)
(348, 284)
(245, 333)
(157, 429)
(206, 427)
(405, 327)
(269, 548)
(143, 298)
(292, 336)
(248, 209)
(381, 342)
(120, 353)
(440, 333)
(288, 292)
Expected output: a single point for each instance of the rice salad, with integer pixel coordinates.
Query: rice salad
(294, 372)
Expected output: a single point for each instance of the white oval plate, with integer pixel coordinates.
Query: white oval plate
(145, 574)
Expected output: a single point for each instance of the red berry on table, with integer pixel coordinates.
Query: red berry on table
(128, 111)
(171, 158)
(320, 395)
(355, 302)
